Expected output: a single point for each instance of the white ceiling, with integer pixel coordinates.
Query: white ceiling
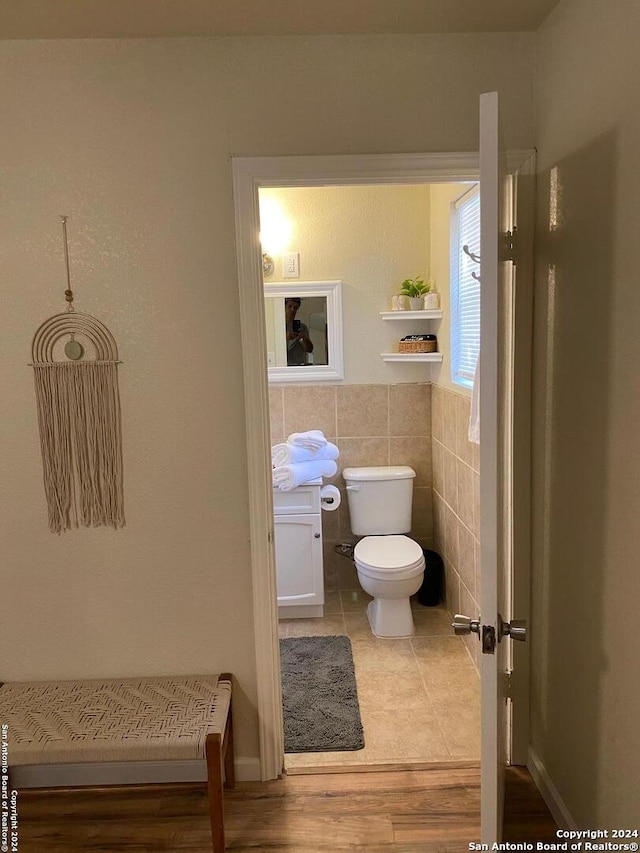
(35, 19)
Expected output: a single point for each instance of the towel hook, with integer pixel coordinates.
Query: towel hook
(475, 258)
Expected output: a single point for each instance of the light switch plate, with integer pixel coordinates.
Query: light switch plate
(291, 265)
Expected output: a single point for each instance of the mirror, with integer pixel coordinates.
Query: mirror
(304, 331)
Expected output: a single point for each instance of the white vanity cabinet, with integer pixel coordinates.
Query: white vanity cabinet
(298, 548)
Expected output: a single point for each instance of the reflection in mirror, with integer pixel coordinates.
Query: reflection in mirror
(304, 331)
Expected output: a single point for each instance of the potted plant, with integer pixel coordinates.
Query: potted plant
(415, 289)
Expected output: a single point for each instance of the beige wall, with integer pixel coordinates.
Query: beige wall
(133, 141)
(370, 238)
(586, 583)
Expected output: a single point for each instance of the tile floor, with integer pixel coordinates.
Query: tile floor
(419, 698)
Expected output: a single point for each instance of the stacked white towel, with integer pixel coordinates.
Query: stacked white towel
(313, 439)
(302, 457)
(285, 453)
(287, 477)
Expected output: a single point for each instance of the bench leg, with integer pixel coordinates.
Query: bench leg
(214, 790)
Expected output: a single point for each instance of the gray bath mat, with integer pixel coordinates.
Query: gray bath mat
(319, 695)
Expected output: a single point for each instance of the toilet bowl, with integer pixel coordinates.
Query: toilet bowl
(390, 565)
(390, 568)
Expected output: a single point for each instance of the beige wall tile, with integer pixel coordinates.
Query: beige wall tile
(470, 607)
(452, 588)
(450, 482)
(310, 407)
(362, 410)
(467, 559)
(464, 448)
(439, 521)
(437, 463)
(276, 414)
(347, 574)
(415, 452)
(330, 526)
(465, 500)
(437, 415)
(422, 513)
(475, 527)
(362, 452)
(410, 410)
(451, 536)
(449, 421)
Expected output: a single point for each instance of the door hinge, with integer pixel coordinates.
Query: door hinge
(509, 246)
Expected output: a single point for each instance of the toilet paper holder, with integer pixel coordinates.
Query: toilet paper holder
(330, 498)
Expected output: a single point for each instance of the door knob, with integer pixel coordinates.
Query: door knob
(465, 625)
(516, 629)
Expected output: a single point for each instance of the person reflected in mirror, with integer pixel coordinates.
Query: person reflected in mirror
(298, 341)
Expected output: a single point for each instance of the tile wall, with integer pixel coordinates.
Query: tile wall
(456, 502)
(371, 425)
(421, 425)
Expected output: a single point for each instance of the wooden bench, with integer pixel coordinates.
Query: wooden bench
(69, 727)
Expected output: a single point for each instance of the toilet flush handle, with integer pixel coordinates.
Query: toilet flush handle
(353, 488)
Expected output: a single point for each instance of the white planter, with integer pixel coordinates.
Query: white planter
(416, 303)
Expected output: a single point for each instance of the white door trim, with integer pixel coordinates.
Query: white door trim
(249, 174)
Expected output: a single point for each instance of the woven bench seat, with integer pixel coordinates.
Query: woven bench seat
(161, 719)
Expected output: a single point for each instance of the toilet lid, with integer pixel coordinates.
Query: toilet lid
(388, 552)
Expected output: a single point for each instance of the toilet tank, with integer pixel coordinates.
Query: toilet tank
(380, 499)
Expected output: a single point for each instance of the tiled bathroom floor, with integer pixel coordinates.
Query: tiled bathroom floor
(419, 698)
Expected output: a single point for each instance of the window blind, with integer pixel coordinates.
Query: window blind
(465, 290)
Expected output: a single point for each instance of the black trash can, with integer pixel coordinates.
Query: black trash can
(430, 592)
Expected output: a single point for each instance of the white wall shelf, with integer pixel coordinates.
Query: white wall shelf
(411, 356)
(434, 314)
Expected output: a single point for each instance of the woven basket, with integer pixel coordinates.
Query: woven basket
(417, 346)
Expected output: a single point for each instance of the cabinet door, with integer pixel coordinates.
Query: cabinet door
(299, 559)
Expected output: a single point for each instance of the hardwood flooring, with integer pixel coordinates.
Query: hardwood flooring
(416, 811)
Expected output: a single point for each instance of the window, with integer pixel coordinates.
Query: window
(465, 289)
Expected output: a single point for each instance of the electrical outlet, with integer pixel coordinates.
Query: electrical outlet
(291, 265)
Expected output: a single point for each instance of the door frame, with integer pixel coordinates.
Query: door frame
(249, 175)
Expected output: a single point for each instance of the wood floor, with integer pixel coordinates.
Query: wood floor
(417, 811)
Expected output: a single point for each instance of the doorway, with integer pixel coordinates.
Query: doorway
(419, 697)
(249, 176)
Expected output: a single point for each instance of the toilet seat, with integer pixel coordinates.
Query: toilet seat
(389, 557)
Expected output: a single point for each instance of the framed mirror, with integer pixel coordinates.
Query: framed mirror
(304, 331)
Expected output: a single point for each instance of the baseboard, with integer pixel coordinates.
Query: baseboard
(124, 773)
(247, 769)
(550, 793)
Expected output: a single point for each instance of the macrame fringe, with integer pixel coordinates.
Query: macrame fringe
(81, 441)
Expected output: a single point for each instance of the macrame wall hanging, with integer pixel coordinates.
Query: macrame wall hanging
(75, 364)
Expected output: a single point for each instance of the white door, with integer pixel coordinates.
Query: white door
(495, 467)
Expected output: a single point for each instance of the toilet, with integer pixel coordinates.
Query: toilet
(390, 565)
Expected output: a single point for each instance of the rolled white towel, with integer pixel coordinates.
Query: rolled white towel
(284, 454)
(313, 439)
(287, 477)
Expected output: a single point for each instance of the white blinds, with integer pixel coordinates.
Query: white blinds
(465, 290)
